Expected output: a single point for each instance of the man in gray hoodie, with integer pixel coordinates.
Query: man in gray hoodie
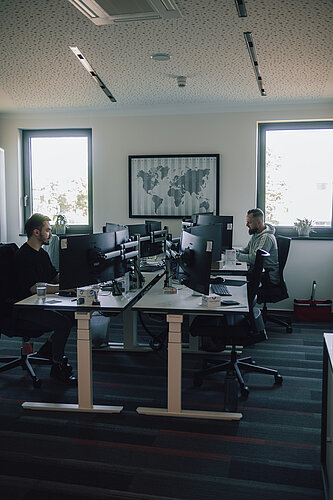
(262, 237)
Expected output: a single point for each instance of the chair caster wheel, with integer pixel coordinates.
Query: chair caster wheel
(278, 379)
(197, 381)
(289, 329)
(37, 383)
(245, 391)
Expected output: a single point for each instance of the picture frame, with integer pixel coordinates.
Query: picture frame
(173, 186)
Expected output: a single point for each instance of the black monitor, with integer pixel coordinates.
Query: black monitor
(195, 261)
(121, 266)
(154, 248)
(194, 217)
(227, 222)
(147, 249)
(212, 232)
(78, 265)
(110, 227)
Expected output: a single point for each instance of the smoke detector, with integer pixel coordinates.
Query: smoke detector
(181, 81)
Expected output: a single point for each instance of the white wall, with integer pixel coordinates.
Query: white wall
(231, 134)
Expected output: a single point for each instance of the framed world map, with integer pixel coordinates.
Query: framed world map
(173, 185)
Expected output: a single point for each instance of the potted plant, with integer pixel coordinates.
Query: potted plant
(304, 227)
(60, 224)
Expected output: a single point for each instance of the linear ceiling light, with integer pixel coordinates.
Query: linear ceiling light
(92, 72)
(241, 9)
(254, 60)
(102, 12)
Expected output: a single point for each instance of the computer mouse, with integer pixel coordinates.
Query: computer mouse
(217, 280)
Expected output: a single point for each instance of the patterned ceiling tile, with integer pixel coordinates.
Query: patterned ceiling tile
(293, 42)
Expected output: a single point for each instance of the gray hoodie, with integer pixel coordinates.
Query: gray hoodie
(265, 240)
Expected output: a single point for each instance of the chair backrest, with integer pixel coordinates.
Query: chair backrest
(277, 293)
(283, 244)
(7, 253)
(254, 276)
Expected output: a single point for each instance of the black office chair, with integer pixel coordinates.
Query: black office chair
(12, 327)
(236, 330)
(276, 293)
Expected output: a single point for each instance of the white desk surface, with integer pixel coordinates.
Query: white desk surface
(108, 302)
(183, 302)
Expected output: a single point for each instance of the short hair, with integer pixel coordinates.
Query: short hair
(256, 212)
(36, 221)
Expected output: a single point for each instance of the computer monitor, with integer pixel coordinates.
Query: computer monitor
(121, 266)
(227, 222)
(158, 247)
(110, 227)
(194, 217)
(78, 265)
(212, 232)
(195, 260)
(147, 249)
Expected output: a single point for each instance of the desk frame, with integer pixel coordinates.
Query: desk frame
(84, 352)
(85, 378)
(174, 313)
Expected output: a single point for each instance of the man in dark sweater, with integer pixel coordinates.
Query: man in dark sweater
(32, 265)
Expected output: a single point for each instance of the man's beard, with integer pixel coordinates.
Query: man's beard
(45, 241)
(253, 230)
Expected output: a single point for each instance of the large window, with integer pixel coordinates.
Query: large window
(295, 174)
(57, 176)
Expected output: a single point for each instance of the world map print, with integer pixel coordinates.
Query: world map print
(173, 186)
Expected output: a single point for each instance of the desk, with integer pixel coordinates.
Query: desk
(239, 269)
(327, 417)
(108, 303)
(175, 306)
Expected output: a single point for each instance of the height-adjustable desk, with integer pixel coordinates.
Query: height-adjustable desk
(175, 306)
(108, 304)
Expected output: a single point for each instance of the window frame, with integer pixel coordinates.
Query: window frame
(27, 135)
(263, 127)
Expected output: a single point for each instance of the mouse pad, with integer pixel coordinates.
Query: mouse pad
(234, 282)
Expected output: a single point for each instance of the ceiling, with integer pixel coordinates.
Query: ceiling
(292, 39)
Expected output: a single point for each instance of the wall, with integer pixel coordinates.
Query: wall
(231, 134)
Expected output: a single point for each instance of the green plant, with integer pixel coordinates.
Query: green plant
(304, 225)
(60, 224)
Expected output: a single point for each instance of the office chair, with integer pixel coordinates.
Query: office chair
(276, 293)
(12, 327)
(236, 330)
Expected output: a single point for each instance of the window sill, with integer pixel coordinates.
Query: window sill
(316, 238)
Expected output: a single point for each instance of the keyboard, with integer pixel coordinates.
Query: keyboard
(220, 289)
(150, 268)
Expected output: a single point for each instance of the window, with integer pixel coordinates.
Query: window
(57, 176)
(295, 175)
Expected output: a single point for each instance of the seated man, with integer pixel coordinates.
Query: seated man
(31, 265)
(262, 237)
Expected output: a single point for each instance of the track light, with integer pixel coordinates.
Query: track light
(92, 72)
(241, 9)
(254, 60)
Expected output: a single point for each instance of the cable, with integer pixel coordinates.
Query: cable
(157, 341)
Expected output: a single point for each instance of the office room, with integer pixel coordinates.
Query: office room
(275, 450)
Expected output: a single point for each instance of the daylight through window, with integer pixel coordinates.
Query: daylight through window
(57, 175)
(296, 173)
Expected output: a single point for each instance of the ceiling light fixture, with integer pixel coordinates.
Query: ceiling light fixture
(254, 60)
(241, 9)
(92, 72)
(160, 57)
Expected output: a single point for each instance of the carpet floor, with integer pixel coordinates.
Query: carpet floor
(272, 453)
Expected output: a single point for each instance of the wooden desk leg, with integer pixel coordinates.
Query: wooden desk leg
(174, 381)
(84, 370)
